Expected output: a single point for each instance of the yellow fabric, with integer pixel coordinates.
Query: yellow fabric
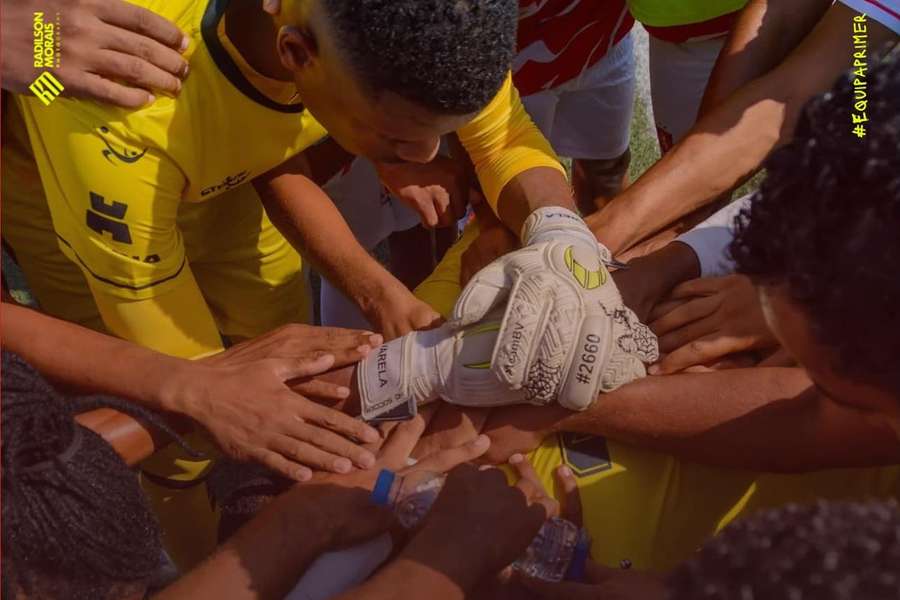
(652, 508)
(666, 13)
(503, 142)
(120, 186)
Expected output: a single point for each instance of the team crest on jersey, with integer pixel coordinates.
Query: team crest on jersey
(126, 155)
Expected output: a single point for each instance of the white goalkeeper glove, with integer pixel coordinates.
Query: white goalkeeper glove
(566, 334)
(422, 366)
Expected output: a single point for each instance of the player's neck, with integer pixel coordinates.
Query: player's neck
(253, 33)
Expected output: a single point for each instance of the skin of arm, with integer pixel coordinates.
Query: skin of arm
(517, 168)
(311, 222)
(732, 140)
(763, 35)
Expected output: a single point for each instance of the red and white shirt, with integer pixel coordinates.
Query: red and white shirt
(560, 39)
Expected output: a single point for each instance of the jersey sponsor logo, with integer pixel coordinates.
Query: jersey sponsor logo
(230, 182)
(127, 155)
(108, 217)
(585, 454)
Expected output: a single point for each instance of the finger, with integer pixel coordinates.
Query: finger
(664, 308)
(568, 494)
(685, 313)
(273, 7)
(780, 358)
(330, 442)
(702, 286)
(529, 479)
(339, 422)
(103, 90)
(145, 48)
(425, 206)
(307, 454)
(488, 288)
(142, 21)
(132, 69)
(281, 465)
(325, 390)
(292, 368)
(440, 198)
(698, 352)
(673, 340)
(400, 443)
(444, 460)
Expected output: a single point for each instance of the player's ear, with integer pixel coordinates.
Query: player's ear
(297, 47)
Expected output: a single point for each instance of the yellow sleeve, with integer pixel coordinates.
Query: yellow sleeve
(503, 142)
(114, 203)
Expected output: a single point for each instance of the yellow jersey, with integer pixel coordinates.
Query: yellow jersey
(116, 180)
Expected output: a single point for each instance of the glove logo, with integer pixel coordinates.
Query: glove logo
(587, 279)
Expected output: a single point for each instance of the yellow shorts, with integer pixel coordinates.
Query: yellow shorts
(650, 508)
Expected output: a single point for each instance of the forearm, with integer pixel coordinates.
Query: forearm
(89, 361)
(530, 190)
(309, 220)
(730, 142)
(760, 419)
(266, 557)
(762, 37)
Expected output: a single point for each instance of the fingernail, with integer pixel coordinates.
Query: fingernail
(185, 43)
(344, 392)
(366, 460)
(482, 441)
(268, 6)
(376, 340)
(364, 349)
(370, 435)
(342, 465)
(303, 474)
(485, 467)
(516, 459)
(565, 471)
(185, 70)
(150, 100)
(653, 370)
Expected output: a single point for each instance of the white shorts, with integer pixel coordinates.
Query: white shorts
(678, 77)
(589, 117)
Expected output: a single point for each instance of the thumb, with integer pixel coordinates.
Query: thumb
(293, 368)
(488, 288)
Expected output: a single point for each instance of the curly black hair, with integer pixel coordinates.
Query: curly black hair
(450, 56)
(825, 551)
(76, 523)
(825, 226)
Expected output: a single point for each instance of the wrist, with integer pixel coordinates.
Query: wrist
(180, 385)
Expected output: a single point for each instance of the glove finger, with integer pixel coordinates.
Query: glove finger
(488, 288)
(527, 312)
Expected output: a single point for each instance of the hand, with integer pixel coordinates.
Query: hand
(252, 414)
(398, 311)
(494, 240)
(520, 429)
(708, 319)
(451, 426)
(300, 341)
(437, 190)
(566, 334)
(111, 51)
(479, 524)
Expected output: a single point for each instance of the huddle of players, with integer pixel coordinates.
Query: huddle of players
(838, 411)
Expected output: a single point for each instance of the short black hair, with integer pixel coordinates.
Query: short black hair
(825, 226)
(76, 523)
(826, 551)
(450, 56)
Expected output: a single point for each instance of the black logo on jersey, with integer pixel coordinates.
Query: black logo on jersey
(584, 454)
(230, 182)
(127, 155)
